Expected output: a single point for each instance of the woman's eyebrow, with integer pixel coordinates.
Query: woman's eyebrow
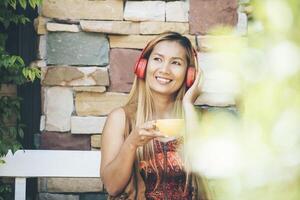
(158, 54)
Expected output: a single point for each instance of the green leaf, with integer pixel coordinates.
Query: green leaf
(31, 76)
(23, 3)
(33, 3)
(13, 3)
(25, 72)
(21, 132)
(12, 60)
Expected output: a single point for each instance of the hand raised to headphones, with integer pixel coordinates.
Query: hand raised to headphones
(195, 90)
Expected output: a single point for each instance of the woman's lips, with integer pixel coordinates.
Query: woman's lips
(163, 80)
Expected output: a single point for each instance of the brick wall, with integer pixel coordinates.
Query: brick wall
(87, 50)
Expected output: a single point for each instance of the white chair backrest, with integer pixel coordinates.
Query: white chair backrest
(48, 163)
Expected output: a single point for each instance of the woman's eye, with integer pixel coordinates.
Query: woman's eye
(157, 59)
(176, 63)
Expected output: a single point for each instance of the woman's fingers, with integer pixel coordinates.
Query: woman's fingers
(151, 133)
(149, 125)
(146, 132)
(146, 136)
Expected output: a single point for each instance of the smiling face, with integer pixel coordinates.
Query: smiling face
(166, 68)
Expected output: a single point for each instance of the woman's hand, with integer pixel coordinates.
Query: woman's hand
(194, 91)
(144, 133)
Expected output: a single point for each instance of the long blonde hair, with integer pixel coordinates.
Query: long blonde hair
(140, 97)
(140, 93)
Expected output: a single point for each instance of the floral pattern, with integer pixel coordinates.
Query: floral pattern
(170, 168)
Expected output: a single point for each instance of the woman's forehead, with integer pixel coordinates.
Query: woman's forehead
(170, 49)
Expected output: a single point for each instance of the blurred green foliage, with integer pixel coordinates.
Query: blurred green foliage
(257, 156)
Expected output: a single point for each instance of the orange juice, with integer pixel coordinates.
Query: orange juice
(170, 127)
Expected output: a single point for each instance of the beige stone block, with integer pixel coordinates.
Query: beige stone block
(75, 76)
(113, 27)
(62, 27)
(130, 41)
(40, 25)
(64, 185)
(96, 141)
(145, 10)
(160, 27)
(217, 78)
(89, 103)
(136, 41)
(98, 89)
(58, 108)
(211, 63)
(226, 83)
(177, 11)
(83, 9)
(87, 125)
(221, 85)
(61, 75)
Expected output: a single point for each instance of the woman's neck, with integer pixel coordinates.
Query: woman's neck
(163, 106)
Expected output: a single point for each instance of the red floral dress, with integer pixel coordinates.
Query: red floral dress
(170, 168)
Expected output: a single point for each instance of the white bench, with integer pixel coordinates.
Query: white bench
(48, 163)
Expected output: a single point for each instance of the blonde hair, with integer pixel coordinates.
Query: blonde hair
(141, 98)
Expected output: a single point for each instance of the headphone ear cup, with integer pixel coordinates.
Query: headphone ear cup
(140, 68)
(190, 76)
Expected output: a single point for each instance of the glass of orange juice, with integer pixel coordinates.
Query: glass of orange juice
(170, 127)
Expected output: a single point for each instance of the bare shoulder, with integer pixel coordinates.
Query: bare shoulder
(115, 120)
(117, 116)
(118, 113)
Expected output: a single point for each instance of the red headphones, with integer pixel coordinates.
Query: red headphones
(141, 65)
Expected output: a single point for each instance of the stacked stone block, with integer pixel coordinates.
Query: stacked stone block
(87, 50)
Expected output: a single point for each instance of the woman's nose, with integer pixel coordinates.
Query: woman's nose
(165, 67)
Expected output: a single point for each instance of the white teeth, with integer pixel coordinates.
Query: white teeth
(163, 80)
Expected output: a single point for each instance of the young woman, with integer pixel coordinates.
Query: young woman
(137, 160)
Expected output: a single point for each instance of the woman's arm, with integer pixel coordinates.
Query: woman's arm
(118, 154)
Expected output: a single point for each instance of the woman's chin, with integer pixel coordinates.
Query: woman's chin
(164, 91)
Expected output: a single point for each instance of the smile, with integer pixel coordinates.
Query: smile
(162, 80)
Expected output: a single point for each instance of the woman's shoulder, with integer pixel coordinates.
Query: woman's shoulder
(117, 114)
(121, 113)
(115, 123)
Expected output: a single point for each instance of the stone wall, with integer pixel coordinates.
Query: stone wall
(87, 50)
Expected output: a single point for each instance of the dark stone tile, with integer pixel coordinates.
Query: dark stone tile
(77, 48)
(64, 141)
(205, 14)
(121, 70)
